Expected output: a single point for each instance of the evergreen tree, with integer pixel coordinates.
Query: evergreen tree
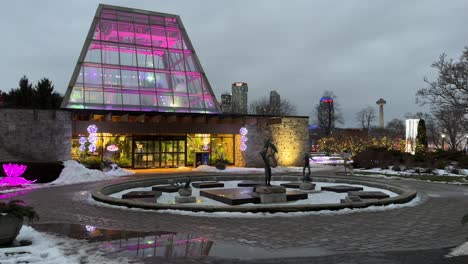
(21, 97)
(44, 95)
(421, 139)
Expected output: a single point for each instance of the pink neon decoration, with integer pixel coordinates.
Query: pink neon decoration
(13, 173)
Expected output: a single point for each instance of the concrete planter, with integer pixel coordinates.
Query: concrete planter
(9, 228)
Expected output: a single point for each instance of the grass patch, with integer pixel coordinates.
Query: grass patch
(421, 177)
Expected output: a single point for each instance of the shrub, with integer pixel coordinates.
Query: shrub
(42, 172)
(91, 162)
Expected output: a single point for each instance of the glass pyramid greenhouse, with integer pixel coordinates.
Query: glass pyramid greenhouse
(136, 60)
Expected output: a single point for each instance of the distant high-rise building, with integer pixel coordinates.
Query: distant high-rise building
(275, 102)
(239, 98)
(226, 103)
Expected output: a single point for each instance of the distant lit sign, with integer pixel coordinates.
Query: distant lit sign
(326, 100)
(112, 148)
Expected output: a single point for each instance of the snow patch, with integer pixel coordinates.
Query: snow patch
(74, 172)
(461, 250)
(371, 209)
(50, 249)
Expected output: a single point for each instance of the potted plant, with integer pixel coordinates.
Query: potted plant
(12, 215)
(184, 189)
(221, 162)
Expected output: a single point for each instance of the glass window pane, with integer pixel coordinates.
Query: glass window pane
(112, 78)
(112, 98)
(127, 56)
(181, 146)
(176, 61)
(209, 104)
(185, 40)
(158, 36)
(171, 22)
(126, 33)
(92, 77)
(165, 100)
(141, 18)
(194, 84)
(110, 54)
(181, 101)
(196, 102)
(79, 79)
(109, 13)
(93, 54)
(93, 96)
(145, 58)
(160, 59)
(148, 99)
(124, 16)
(76, 95)
(97, 31)
(163, 82)
(157, 20)
(174, 40)
(178, 83)
(146, 80)
(131, 98)
(109, 30)
(190, 64)
(142, 35)
(129, 79)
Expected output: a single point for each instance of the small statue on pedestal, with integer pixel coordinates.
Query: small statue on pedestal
(268, 154)
(306, 177)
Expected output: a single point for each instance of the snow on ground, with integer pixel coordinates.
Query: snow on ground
(50, 249)
(461, 250)
(416, 201)
(323, 197)
(74, 172)
(403, 173)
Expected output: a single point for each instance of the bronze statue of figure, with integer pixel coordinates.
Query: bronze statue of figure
(269, 150)
(306, 177)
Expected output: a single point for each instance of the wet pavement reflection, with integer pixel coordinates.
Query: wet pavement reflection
(133, 244)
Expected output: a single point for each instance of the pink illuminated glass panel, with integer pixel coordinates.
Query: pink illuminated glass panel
(137, 61)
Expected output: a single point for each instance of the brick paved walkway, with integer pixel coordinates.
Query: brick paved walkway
(434, 224)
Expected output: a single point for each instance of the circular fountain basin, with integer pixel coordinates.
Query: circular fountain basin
(316, 201)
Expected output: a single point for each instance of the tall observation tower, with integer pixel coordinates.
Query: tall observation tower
(381, 103)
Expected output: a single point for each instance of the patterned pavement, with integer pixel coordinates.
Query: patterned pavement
(432, 226)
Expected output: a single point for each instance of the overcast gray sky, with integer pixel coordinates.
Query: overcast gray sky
(361, 50)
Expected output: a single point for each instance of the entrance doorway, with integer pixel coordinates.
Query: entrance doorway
(159, 152)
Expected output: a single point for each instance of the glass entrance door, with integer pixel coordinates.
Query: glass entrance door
(167, 152)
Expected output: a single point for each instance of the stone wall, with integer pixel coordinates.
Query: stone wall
(289, 134)
(35, 135)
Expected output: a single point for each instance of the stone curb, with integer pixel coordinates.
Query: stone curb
(102, 194)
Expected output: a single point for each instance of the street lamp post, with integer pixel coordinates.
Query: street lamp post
(443, 141)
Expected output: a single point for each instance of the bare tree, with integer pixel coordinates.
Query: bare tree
(451, 87)
(396, 128)
(366, 117)
(262, 106)
(452, 124)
